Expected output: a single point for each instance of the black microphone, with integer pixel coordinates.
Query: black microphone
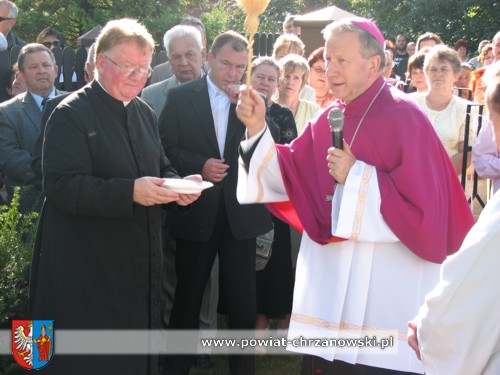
(336, 122)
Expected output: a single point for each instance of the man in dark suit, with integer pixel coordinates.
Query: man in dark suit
(201, 133)
(36, 160)
(20, 119)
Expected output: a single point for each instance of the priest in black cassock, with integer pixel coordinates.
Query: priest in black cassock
(97, 260)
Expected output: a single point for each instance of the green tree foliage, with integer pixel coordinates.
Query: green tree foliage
(473, 20)
(75, 17)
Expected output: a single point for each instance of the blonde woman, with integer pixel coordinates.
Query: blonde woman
(445, 111)
(288, 44)
(294, 73)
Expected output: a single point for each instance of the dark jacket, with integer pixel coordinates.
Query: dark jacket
(188, 135)
(97, 261)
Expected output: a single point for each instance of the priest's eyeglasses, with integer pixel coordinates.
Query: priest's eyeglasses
(129, 69)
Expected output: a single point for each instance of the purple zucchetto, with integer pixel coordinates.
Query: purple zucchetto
(369, 27)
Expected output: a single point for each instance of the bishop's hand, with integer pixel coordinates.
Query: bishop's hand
(251, 110)
(340, 162)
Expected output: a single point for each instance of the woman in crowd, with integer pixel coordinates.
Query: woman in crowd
(486, 56)
(294, 73)
(416, 72)
(288, 44)
(317, 78)
(462, 49)
(275, 281)
(462, 85)
(478, 87)
(13, 82)
(445, 110)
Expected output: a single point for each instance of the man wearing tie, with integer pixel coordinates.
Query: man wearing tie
(20, 122)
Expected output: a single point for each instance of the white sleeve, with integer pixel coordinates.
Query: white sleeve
(457, 327)
(356, 207)
(263, 183)
(249, 142)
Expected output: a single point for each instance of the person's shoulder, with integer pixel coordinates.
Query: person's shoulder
(13, 102)
(162, 67)
(18, 41)
(310, 105)
(155, 87)
(403, 99)
(157, 84)
(190, 87)
(403, 107)
(278, 108)
(142, 105)
(76, 101)
(461, 101)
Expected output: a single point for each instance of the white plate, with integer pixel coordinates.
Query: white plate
(185, 186)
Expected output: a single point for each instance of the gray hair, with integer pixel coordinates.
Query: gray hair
(265, 60)
(369, 45)
(12, 8)
(180, 31)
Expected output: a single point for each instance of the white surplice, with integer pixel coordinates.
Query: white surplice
(459, 324)
(369, 285)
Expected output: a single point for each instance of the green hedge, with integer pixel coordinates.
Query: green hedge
(17, 234)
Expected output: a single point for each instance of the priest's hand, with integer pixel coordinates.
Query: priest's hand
(148, 192)
(340, 162)
(185, 199)
(412, 337)
(214, 170)
(251, 110)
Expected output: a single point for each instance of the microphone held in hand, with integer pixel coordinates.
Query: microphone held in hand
(336, 122)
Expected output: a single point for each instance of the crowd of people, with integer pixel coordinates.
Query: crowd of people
(371, 239)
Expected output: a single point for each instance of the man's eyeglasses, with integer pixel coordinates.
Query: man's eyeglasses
(131, 69)
(6, 19)
(55, 43)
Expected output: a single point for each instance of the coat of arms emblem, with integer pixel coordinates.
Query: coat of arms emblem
(32, 342)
